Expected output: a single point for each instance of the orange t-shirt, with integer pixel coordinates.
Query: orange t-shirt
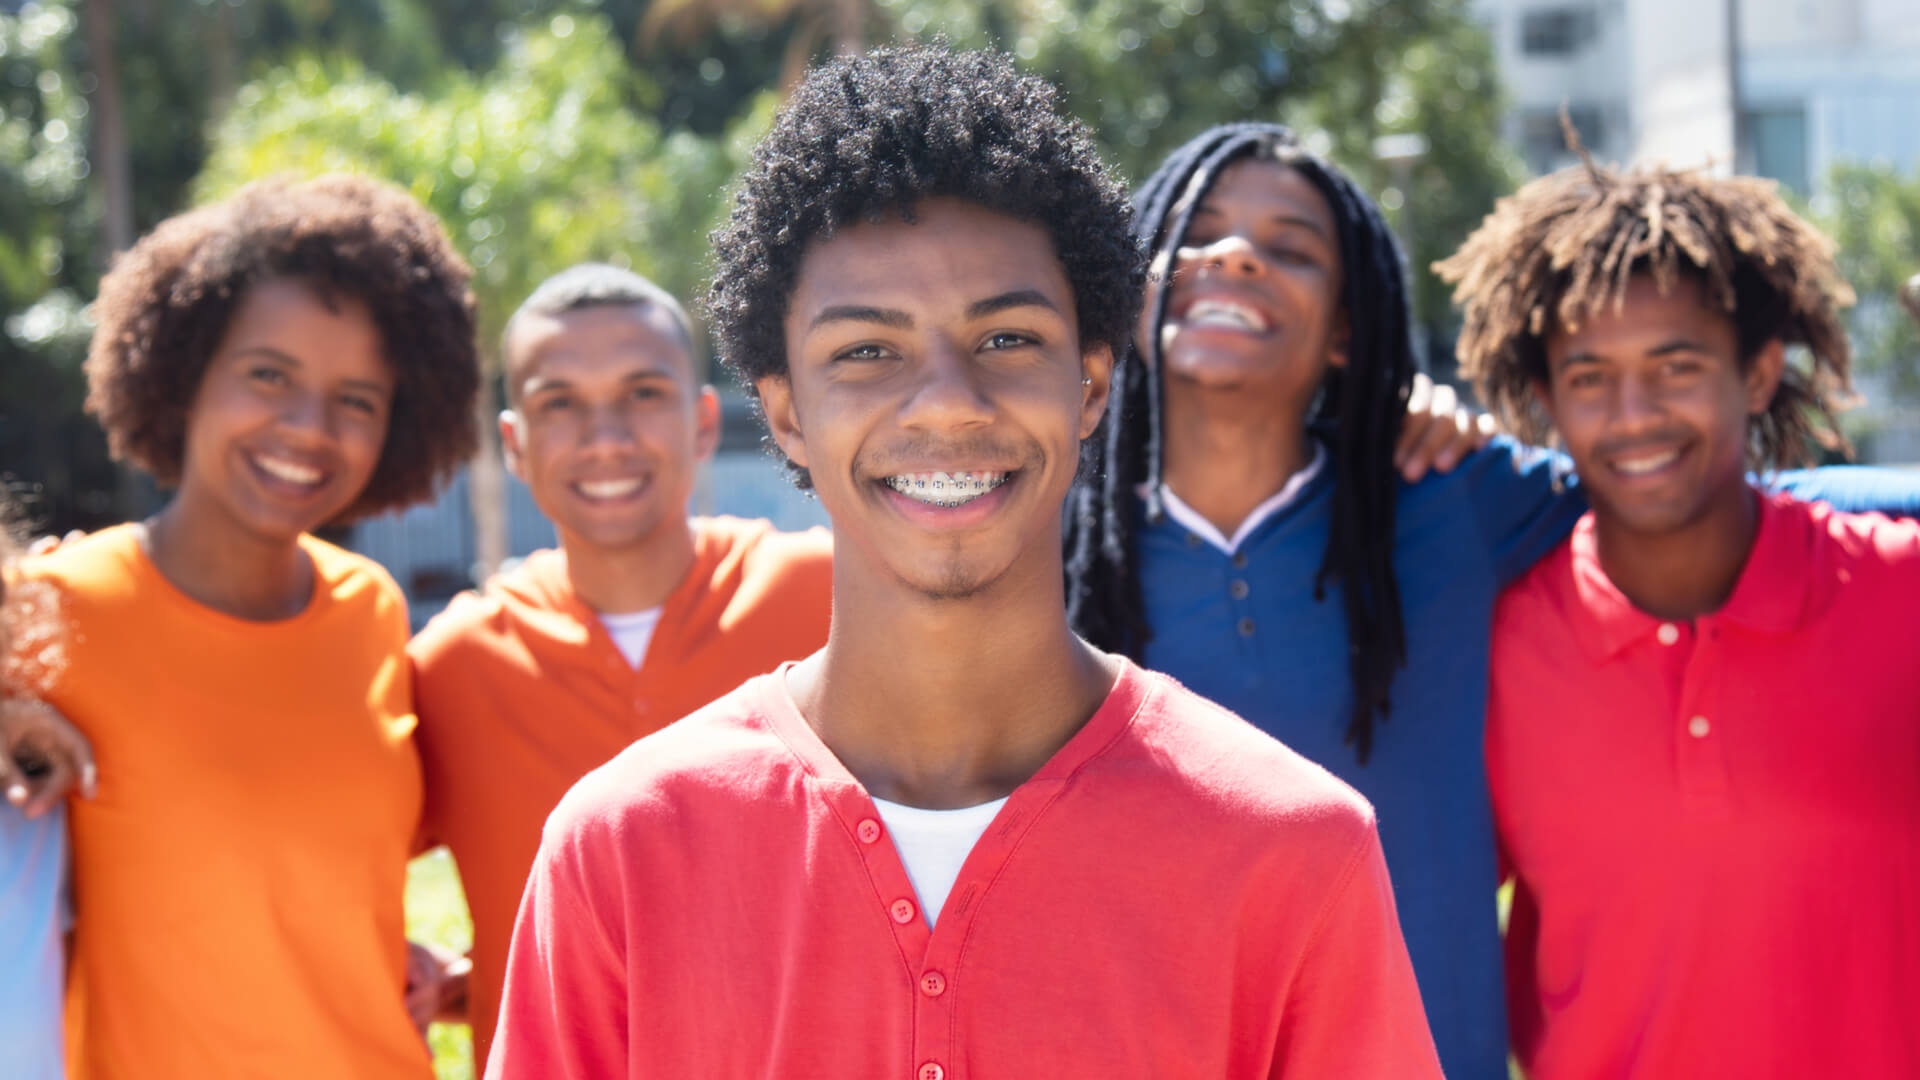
(521, 691)
(239, 879)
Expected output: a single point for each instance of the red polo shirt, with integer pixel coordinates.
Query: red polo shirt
(1173, 893)
(1714, 829)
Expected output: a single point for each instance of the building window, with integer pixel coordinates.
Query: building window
(1778, 138)
(1544, 145)
(1556, 31)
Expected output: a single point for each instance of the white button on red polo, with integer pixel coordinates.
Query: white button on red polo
(1668, 633)
(932, 1071)
(1698, 727)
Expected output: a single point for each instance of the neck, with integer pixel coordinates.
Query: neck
(617, 581)
(1224, 458)
(1688, 572)
(949, 703)
(222, 566)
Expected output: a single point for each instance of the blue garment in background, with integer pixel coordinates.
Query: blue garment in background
(1245, 630)
(33, 923)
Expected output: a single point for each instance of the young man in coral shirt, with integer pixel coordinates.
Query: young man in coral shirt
(1704, 729)
(958, 842)
(642, 616)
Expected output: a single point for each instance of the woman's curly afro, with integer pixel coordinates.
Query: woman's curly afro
(166, 304)
(870, 135)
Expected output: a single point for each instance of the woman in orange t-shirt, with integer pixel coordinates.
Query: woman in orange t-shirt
(299, 355)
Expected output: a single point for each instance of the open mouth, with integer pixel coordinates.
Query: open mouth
(1645, 464)
(292, 474)
(609, 490)
(1225, 314)
(946, 488)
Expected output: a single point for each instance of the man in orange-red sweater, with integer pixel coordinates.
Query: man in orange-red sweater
(640, 617)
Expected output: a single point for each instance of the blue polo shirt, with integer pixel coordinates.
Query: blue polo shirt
(1243, 628)
(33, 872)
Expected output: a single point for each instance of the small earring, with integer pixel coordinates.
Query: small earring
(1088, 381)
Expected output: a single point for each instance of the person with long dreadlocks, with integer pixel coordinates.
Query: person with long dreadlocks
(1244, 527)
(1704, 726)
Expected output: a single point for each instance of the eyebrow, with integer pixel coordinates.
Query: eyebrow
(900, 320)
(268, 351)
(889, 317)
(1281, 219)
(1665, 348)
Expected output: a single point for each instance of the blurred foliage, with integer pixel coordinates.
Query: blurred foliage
(538, 164)
(547, 131)
(1873, 213)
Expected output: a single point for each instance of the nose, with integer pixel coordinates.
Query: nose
(949, 395)
(305, 419)
(1636, 403)
(1234, 255)
(607, 429)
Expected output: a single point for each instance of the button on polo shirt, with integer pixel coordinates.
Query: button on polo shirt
(1172, 893)
(1715, 835)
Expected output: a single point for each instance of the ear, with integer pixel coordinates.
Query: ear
(510, 444)
(783, 420)
(706, 424)
(1763, 374)
(1096, 375)
(1543, 397)
(1341, 341)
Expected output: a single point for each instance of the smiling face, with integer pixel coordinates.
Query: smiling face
(937, 394)
(287, 425)
(608, 425)
(1254, 302)
(1652, 402)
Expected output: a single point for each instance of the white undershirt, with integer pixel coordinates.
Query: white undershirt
(632, 633)
(933, 844)
(1190, 519)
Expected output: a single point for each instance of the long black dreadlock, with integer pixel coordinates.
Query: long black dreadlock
(1358, 413)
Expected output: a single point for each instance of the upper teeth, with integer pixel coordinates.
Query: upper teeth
(289, 471)
(1225, 313)
(1647, 464)
(609, 489)
(946, 489)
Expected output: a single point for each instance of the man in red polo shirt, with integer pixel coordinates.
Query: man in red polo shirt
(1704, 729)
(958, 842)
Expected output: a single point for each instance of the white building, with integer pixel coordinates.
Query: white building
(1795, 87)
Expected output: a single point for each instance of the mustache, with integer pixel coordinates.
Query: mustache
(1664, 439)
(977, 451)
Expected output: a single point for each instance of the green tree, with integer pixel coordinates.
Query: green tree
(534, 166)
(1872, 212)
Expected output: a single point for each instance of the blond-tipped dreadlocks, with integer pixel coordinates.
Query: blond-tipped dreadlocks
(1562, 247)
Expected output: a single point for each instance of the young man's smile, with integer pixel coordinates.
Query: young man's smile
(936, 375)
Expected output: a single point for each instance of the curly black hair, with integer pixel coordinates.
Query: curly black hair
(167, 302)
(869, 135)
(1358, 414)
(1565, 247)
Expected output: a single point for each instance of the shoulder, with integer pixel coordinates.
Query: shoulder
(477, 619)
(1223, 767)
(762, 549)
(1860, 541)
(351, 577)
(101, 564)
(717, 758)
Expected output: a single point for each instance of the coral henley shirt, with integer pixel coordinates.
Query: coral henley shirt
(1172, 894)
(1715, 828)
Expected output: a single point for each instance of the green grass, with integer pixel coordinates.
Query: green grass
(437, 914)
